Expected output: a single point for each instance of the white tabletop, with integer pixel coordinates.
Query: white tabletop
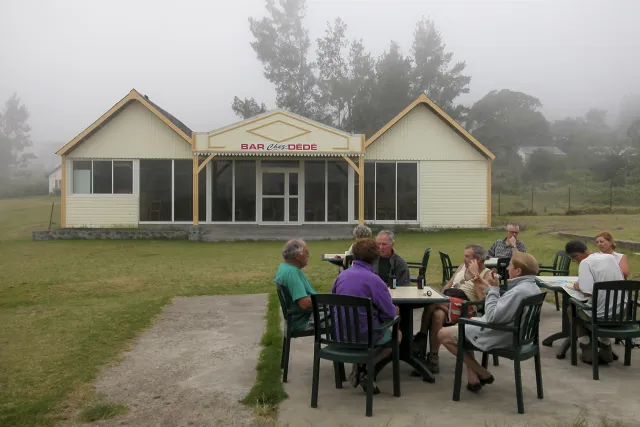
(412, 292)
(337, 256)
(558, 280)
(491, 262)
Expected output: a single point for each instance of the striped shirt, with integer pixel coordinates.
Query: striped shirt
(500, 249)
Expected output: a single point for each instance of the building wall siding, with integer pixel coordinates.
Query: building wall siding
(102, 211)
(453, 193)
(421, 135)
(134, 133)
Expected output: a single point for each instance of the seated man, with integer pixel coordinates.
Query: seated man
(291, 276)
(593, 267)
(461, 285)
(499, 310)
(390, 262)
(503, 248)
(361, 281)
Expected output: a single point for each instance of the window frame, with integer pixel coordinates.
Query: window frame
(134, 183)
(375, 195)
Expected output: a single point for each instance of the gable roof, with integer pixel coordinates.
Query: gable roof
(176, 125)
(51, 173)
(424, 99)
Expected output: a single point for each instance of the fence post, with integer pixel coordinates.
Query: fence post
(532, 199)
(51, 215)
(569, 199)
(611, 196)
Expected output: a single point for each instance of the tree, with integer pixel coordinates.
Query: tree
(629, 112)
(282, 45)
(506, 120)
(543, 166)
(362, 82)
(433, 73)
(633, 133)
(14, 138)
(247, 108)
(392, 92)
(333, 82)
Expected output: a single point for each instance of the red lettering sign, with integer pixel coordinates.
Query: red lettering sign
(280, 147)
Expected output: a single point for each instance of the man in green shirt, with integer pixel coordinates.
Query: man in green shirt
(290, 275)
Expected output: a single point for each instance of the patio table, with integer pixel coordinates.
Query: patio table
(554, 283)
(408, 298)
(335, 259)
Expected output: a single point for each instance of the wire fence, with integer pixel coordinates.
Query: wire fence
(553, 199)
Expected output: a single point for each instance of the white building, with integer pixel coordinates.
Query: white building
(138, 164)
(55, 180)
(526, 152)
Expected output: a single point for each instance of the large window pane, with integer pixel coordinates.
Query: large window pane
(369, 192)
(273, 184)
(245, 190)
(82, 177)
(337, 191)
(293, 209)
(407, 191)
(183, 191)
(123, 177)
(314, 191)
(102, 176)
(273, 209)
(155, 190)
(221, 190)
(385, 191)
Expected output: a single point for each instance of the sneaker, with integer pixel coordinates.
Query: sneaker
(433, 363)
(586, 353)
(355, 375)
(605, 354)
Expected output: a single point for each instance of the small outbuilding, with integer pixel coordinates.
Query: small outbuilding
(138, 165)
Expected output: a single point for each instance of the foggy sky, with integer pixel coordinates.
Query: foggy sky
(71, 60)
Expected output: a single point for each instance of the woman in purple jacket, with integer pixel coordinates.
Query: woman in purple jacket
(360, 280)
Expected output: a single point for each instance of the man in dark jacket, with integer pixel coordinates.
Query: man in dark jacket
(390, 262)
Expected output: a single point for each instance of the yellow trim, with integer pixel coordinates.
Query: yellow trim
(424, 99)
(488, 193)
(195, 190)
(207, 160)
(353, 165)
(361, 191)
(132, 96)
(253, 131)
(63, 194)
(297, 118)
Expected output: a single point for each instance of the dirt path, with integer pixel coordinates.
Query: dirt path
(192, 366)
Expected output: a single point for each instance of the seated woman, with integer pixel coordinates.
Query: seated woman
(607, 245)
(361, 281)
(360, 232)
(434, 316)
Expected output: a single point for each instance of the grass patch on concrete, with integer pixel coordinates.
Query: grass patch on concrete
(268, 390)
(102, 411)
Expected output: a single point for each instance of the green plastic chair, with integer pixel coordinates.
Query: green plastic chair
(421, 267)
(448, 269)
(525, 345)
(341, 341)
(620, 319)
(288, 311)
(560, 267)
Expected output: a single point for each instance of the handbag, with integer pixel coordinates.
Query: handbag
(456, 298)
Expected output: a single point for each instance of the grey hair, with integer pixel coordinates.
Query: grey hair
(389, 235)
(478, 251)
(516, 226)
(361, 232)
(292, 248)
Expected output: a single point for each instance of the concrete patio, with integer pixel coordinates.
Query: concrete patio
(569, 391)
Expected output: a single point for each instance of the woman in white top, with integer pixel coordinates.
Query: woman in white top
(360, 232)
(607, 245)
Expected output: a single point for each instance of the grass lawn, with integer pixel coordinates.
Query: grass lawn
(67, 308)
